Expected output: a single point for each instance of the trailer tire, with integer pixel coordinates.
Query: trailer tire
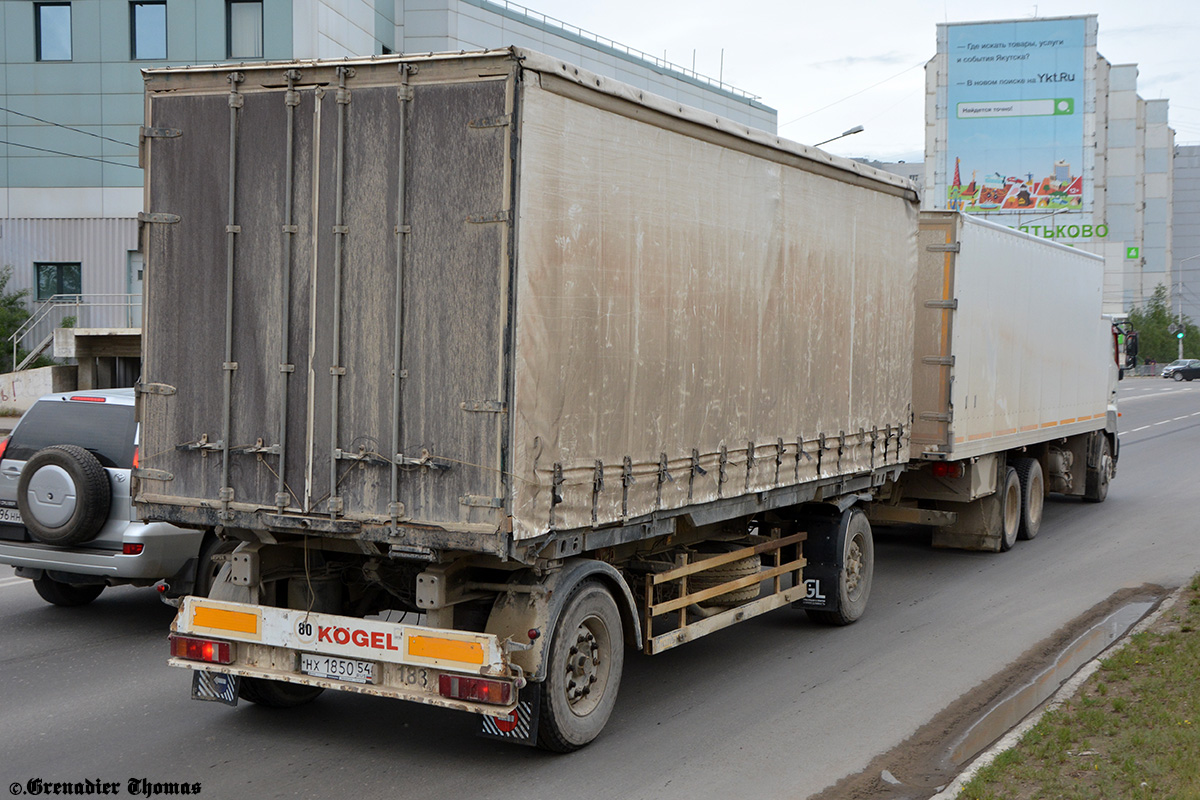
(1033, 496)
(855, 574)
(1096, 488)
(573, 715)
(715, 576)
(276, 694)
(67, 595)
(206, 570)
(1011, 503)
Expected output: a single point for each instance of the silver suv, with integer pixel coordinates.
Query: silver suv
(66, 520)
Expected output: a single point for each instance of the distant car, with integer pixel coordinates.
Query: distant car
(1183, 369)
(66, 518)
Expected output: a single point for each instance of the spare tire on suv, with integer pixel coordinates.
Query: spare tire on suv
(64, 495)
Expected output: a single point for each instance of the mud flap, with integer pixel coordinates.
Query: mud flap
(520, 726)
(216, 687)
(820, 587)
(822, 551)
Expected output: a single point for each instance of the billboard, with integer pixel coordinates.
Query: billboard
(1015, 102)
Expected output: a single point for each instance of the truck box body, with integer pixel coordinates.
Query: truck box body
(486, 297)
(1010, 340)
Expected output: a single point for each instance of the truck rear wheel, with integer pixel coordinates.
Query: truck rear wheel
(584, 670)
(1096, 489)
(856, 570)
(1011, 504)
(1033, 495)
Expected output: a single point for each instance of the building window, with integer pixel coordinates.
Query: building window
(58, 278)
(148, 30)
(52, 29)
(244, 34)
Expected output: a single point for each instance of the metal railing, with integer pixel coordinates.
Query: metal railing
(86, 311)
(604, 41)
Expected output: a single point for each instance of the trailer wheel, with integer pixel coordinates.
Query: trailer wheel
(206, 570)
(855, 574)
(276, 694)
(1033, 495)
(583, 671)
(1096, 489)
(1010, 510)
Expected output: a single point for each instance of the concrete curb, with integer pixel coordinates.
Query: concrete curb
(1065, 693)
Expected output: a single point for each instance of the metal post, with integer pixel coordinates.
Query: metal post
(1179, 302)
(286, 368)
(404, 95)
(231, 230)
(339, 233)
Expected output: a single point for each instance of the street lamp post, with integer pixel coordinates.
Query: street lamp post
(1179, 304)
(851, 132)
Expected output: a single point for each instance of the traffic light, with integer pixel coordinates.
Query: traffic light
(1179, 335)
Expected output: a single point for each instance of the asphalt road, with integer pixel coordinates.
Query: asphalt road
(776, 707)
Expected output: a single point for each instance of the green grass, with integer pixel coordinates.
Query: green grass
(1133, 731)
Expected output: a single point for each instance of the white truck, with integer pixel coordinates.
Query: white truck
(1015, 374)
(491, 366)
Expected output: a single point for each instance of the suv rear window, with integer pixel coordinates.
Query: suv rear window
(106, 430)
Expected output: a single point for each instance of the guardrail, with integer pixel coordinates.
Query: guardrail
(87, 310)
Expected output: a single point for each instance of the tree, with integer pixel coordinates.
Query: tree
(13, 312)
(1152, 322)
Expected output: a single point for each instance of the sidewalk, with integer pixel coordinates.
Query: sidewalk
(1126, 726)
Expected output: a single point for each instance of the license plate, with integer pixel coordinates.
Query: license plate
(343, 669)
(10, 515)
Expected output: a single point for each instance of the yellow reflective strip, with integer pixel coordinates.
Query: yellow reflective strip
(445, 649)
(222, 620)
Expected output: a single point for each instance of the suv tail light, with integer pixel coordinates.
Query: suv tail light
(3, 446)
(194, 649)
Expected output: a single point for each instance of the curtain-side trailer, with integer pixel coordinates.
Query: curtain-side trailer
(488, 365)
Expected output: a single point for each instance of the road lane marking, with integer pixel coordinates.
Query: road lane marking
(13, 581)
(1135, 430)
(1185, 416)
(1164, 422)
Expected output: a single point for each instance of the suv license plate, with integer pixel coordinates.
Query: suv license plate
(10, 515)
(343, 669)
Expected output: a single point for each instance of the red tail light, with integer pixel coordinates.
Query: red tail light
(83, 398)
(948, 469)
(483, 691)
(132, 549)
(135, 456)
(201, 650)
(3, 446)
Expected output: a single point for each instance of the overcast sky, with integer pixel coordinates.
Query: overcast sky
(828, 66)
